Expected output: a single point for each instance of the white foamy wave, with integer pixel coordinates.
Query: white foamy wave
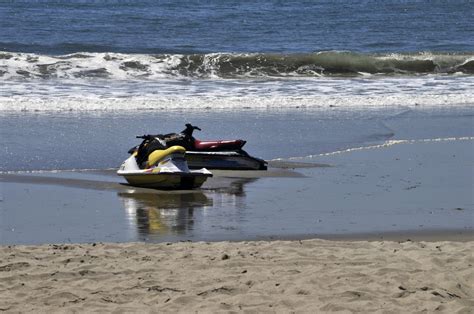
(166, 87)
(136, 103)
(117, 66)
(386, 144)
(428, 85)
(87, 65)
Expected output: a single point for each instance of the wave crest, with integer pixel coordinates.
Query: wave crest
(229, 65)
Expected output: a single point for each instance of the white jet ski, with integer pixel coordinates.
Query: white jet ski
(218, 154)
(164, 169)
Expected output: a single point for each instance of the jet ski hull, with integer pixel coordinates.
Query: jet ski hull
(230, 160)
(180, 181)
(167, 170)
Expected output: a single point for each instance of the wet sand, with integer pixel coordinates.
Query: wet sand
(417, 190)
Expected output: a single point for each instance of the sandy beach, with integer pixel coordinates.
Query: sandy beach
(253, 277)
(398, 216)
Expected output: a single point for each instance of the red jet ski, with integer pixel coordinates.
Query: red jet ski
(218, 154)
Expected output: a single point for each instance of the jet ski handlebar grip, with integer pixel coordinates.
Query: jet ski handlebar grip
(146, 136)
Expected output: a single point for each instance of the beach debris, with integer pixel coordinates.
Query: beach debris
(225, 256)
(436, 293)
(222, 289)
(162, 289)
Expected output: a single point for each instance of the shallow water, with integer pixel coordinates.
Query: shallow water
(394, 189)
(393, 170)
(99, 141)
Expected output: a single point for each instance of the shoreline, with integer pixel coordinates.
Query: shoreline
(453, 235)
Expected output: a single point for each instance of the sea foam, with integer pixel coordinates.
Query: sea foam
(128, 82)
(119, 66)
(53, 104)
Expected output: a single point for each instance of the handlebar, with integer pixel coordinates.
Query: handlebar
(190, 126)
(189, 129)
(144, 137)
(187, 132)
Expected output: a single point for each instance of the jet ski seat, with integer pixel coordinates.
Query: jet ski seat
(159, 154)
(221, 145)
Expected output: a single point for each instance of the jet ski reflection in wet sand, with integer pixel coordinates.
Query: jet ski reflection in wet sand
(155, 166)
(219, 154)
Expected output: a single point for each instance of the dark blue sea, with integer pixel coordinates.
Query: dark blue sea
(97, 73)
(336, 82)
(167, 62)
(234, 38)
(165, 41)
(203, 27)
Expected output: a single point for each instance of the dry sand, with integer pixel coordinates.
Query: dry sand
(279, 276)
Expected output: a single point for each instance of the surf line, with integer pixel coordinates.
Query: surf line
(384, 145)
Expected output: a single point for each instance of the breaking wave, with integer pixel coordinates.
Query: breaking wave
(229, 65)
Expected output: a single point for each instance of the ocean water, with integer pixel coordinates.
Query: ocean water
(194, 27)
(96, 73)
(299, 80)
(86, 55)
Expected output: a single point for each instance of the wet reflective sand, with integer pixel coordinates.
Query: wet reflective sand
(396, 191)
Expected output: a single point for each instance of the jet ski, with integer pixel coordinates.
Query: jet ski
(218, 154)
(159, 167)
